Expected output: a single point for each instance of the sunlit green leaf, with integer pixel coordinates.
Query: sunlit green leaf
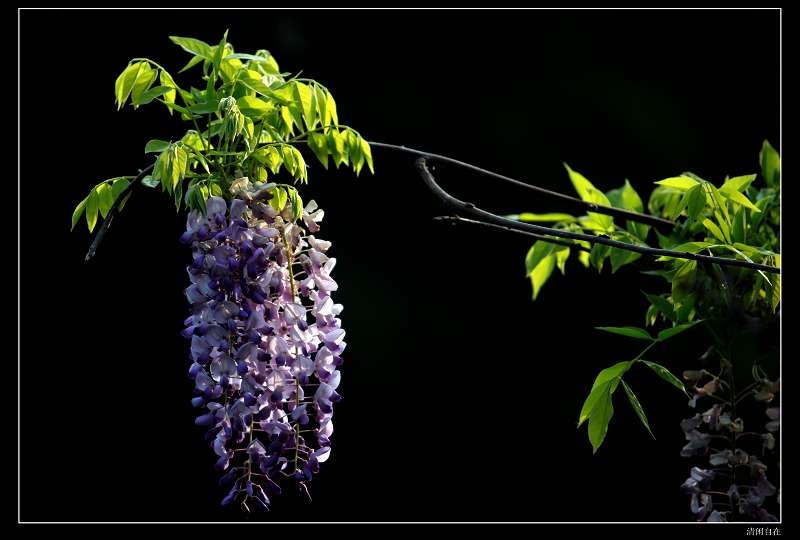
(91, 210)
(535, 218)
(366, 151)
(541, 274)
(78, 212)
(104, 198)
(600, 418)
(737, 183)
(144, 78)
(740, 198)
(629, 331)
(695, 201)
(637, 407)
(150, 182)
(155, 146)
(621, 257)
(589, 193)
(714, 230)
(166, 80)
(678, 182)
(125, 81)
(770, 165)
(318, 144)
(194, 46)
(665, 374)
(606, 379)
(675, 330)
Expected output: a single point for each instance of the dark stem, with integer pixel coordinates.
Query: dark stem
(471, 209)
(107, 222)
(571, 201)
(456, 219)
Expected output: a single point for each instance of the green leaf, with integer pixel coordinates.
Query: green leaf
(740, 198)
(104, 198)
(297, 204)
(150, 182)
(193, 62)
(598, 253)
(629, 331)
(330, 106)
(118, 185)
(366, 151)
(684, 280)
(144, 78)
(739, 228)
(723, 226)
(608, 377)
(279, 198)
(775, 296)
(304, 101)
(321, 101)
(720, 205)
(714, 230)
(194, 46)
(91, 210)
(695, 201)
(179, 163)
(770, 165)
(541, 274)
(662, 305)
(562, 254)
(336, 146)
(166, 80)
(737, 183)
(124, 83)
(675, 330)
(637, 407)
(665, 374)
(318, 144)
(681, 183)
(536, 254)
(621, 257)
(353, 145)
(155, 146)
(151, 94)
(589, 193)
(625, 197)
(535, 218)
(599, 420)
(78, 212)
(254, 107)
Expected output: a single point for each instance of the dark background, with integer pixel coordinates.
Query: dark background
(460, 394)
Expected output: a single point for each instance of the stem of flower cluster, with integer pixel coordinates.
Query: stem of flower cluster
(290, 258)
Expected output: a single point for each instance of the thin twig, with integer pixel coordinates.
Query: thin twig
(471, 209)
(107, 222)
(572, 201)
(456, 219)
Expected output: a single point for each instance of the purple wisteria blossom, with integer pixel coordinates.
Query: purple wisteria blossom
(266, 341)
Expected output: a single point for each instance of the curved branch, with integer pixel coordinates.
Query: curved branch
(571, 201)
(471, 209)
(107, 222)
(457, 219)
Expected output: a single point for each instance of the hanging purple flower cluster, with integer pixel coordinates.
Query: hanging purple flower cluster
(735, 486)
(266, 341)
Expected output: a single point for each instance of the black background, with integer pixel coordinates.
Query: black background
(460, 394)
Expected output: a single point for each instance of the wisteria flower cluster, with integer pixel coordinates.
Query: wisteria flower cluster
(734, 486)
(266, 341)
